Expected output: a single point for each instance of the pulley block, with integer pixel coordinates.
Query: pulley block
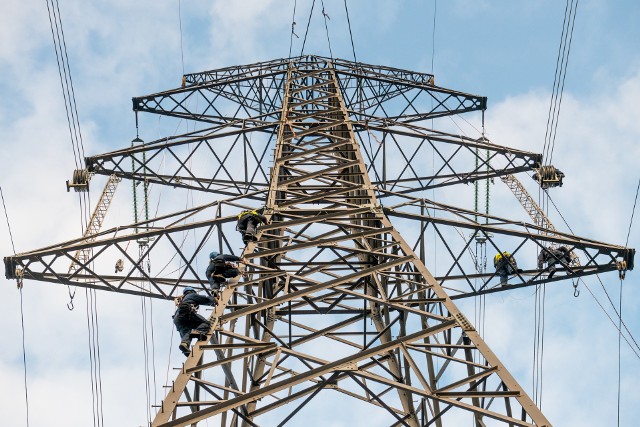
(548, 177)
(80, 181)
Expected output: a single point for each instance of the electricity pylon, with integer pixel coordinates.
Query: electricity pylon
(336, 300)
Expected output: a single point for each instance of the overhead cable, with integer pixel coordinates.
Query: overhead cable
(353, 47)
(304, 41)
(324, 14)
(293, 25)
(633, 211)
(24, 351)
(560, 74)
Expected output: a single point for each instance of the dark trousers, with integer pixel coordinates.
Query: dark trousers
(219, 277)
(249, 232)
(185, 324)
(503, 270)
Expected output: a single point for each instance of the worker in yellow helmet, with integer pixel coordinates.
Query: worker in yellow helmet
(505, 264)
(248, 222)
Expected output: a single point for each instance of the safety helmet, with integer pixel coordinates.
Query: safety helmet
(213, 254)
(188, 290)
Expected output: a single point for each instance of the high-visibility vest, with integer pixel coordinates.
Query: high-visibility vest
(243, 213)
(498, 257)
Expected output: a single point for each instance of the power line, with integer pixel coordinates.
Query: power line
(324, 14)
(66, 81)
(353, 47)
(293, 24)
(180, 21)
(6, 215)
(633, 211)
(637, 346)
(307, 30)
(560, 73)
(24, 351)
(564, 76)
(433, 36)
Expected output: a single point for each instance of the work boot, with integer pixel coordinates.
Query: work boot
(184, 347)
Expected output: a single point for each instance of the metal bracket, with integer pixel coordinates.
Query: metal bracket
(349, 366)
(464, 322)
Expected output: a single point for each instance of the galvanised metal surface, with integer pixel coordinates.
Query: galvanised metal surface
(338, 309)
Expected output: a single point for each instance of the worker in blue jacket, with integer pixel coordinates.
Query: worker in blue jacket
(187, 320)
(221, 267)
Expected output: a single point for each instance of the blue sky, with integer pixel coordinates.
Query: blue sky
(504, 50)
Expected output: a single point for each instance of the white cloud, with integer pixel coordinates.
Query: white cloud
(119, 50)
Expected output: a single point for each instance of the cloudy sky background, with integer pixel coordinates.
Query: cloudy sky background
(500, 49)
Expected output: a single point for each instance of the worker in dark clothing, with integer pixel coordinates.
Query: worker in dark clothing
(187, 320)
(505, 264)
(552, 256)
(248, 222)
(221, 268)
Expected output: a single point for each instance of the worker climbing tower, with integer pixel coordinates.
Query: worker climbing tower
(338, 308)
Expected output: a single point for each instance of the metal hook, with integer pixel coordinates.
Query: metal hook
(576, 291)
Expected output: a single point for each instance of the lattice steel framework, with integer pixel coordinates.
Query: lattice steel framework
(337, 300)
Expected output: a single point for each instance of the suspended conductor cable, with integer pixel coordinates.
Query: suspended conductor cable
(564, 76)
(24, 351)
(6, 215)
(433, 35)
(562, 61)
(94, 357)
(74, 110)
(75, 132)
(555, 81)
(304, 41)
(619, 351)
(180, 21)
(293, 25)
(24, 357)
(324, 14)
(353, 47)
(55, 35)
(635, 344)
(633, 211)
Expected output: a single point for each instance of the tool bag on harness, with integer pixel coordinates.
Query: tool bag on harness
(185, 309)
(225, 268)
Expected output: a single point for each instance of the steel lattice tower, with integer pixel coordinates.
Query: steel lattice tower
(336, 299)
